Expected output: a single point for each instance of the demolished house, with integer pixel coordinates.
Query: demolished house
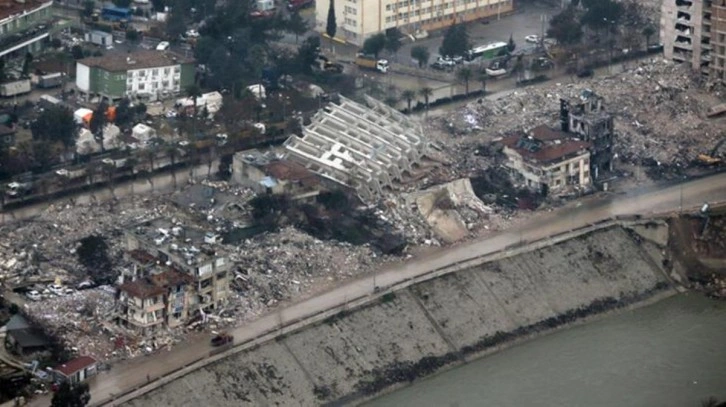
(547, 160)
(177, 270)
(275, 177)
(366, 148)
(156, 301)
(585, 116)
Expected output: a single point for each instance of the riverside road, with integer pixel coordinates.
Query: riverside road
(131, 374)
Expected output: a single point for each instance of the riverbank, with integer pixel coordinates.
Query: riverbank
(436, 324)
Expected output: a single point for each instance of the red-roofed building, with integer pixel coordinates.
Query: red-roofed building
(76, 370)
(547, 160)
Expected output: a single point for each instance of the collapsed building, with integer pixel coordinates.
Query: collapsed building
(366, 148)
(176, 271)
(586, 118)
(270, 175)
(574, 157)
(547, 160)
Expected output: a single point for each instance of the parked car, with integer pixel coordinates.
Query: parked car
(439, 65)
(33, 295)
(446, 61)
(533, 38)
(84, 285)
(222, 339)
(57, 289)
(162, 46)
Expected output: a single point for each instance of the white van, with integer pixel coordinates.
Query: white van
(163, 46)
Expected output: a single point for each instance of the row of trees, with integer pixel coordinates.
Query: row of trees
(603, 19)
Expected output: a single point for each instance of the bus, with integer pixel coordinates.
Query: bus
(488, 51)
(116, 14)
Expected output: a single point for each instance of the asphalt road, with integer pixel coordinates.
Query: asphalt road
(645, 201)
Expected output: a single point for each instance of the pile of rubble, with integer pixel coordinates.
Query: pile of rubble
(283, 265)
(78, 320)
(659, 110)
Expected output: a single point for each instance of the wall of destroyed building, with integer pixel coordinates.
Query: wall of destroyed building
(366, 148)
(574, 171)
(586, 118)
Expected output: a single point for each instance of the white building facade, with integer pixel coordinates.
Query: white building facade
(359, 19)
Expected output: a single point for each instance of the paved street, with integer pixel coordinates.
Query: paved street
(643, 201)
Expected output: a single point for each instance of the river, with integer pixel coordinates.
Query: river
(672, 353)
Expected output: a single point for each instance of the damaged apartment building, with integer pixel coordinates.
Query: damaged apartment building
(366, 148)
(694, 32)
(574, 157)
(176, 272)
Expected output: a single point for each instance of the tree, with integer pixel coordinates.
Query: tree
(77, 52)
(171, 151)
(331, 27)
(71, 395)
(175, 25)
(193, 92)
(456, 41)
(27, 64)
(565, 27)
(408, 95)
(124, 113)
(55, 124)
(122, 3)
(648, 32)
(393, 40)
(133, 36)
(426, 93)
(483, 80)
(464, 75)
(158, 5)
(296, 25)
(98, 120)
(420, 54)
(374, 44)
(602, 14)
(307, 54)
(511, 45)
(2, 70)
(88, 7)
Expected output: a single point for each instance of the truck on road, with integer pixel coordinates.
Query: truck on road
(370, 62)
(50, 80)
(16, 88)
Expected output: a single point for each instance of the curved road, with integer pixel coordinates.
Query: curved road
(128, 375)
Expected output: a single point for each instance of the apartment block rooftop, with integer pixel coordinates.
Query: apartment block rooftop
(193, 245)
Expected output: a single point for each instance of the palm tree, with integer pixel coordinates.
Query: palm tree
(464, 75)
(426, 92)
(408, 95)
(483, 80)
(132, 162)
(148, 156)
(172, 152)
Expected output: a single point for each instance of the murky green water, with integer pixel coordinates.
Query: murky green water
(672, 353)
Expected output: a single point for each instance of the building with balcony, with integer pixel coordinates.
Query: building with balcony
(24, 26)
(177, 271)
(146, 74)
(694, 32)
(358, 19)
(548, 160)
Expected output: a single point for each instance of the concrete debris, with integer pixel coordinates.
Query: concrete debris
(641, 99)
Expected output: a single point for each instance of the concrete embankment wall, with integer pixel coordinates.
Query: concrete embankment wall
(429, 325)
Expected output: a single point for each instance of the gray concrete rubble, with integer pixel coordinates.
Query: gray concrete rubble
(659, 111)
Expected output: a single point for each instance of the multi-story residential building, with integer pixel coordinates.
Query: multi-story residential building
(359, 19)
(168, 260)
(24, 26)
(148, 74)
(694, 32)
(548, 160)
(155, 301)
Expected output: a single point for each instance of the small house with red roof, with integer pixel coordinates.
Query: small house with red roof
(547, 160)
(76, 370)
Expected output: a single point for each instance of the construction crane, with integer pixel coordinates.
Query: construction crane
(712, 158)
